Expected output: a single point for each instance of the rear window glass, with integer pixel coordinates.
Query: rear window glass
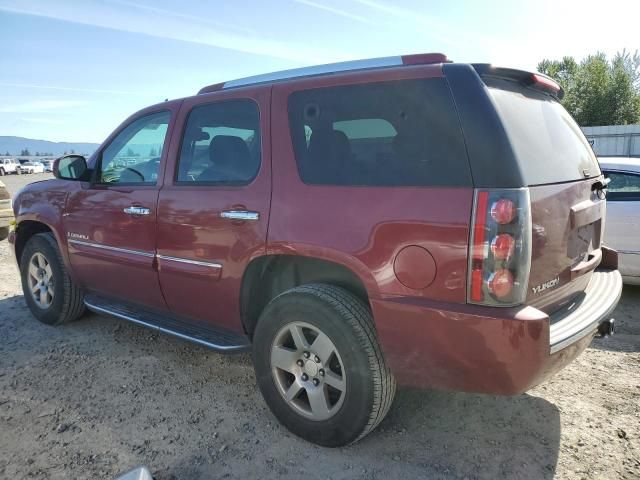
(548, 144)
(402, 133)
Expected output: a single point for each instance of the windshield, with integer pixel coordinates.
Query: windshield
(547, 142)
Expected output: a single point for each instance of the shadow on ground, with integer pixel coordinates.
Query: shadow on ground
(132, 396)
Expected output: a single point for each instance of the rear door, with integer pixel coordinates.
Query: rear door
(558, 165)
(213, 211)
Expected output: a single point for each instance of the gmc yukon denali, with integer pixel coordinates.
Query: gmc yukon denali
(403, 219)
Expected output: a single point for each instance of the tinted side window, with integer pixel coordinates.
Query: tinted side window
(391, 133)
(221, 144)
(133, 157)
(623, 186)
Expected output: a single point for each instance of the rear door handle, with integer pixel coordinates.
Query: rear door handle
(137, 210)
(240, 215)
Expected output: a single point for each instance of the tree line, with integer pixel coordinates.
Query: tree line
(599, 91)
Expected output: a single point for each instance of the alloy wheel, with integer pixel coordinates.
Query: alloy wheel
(308, 371)
(41, 284)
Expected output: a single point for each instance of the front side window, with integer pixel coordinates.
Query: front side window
(220, 144)
(400, 133)
(623, 186)
(133, 157)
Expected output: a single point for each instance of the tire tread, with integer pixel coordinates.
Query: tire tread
(356, 313)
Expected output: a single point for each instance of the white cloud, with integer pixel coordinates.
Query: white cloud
(165, 24)
(42, 106)
(42, 121)
(336, 11)
(76, 89)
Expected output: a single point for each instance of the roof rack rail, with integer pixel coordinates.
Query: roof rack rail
(371, 63)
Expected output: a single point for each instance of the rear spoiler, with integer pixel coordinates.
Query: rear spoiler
(536, 81)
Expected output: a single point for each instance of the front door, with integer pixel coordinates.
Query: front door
(111, 223)
(214, 208)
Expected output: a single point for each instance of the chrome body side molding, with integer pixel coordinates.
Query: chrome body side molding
(188, 261)
(100, 246)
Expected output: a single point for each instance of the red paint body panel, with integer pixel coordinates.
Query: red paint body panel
(44, 202)
(190, 227)
(364, 228)
(559, 238)
(467, 348)
(97, 213)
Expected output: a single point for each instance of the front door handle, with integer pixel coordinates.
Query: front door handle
(240, 215)
(137, 210)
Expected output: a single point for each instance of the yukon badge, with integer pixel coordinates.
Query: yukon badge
(544, 286)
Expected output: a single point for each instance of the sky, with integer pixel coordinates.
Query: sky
(73, 70)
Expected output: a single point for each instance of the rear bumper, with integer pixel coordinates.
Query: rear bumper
(489, 350)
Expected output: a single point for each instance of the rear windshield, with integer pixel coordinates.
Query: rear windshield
(402, 133)
(548, 144)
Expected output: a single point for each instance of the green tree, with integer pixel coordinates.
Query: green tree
(599, 91)
(25, 152)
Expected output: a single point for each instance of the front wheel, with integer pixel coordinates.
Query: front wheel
(319, 365)
(4, 233)
(49, 291)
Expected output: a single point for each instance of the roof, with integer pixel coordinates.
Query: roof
(367, 64)
(620, 163)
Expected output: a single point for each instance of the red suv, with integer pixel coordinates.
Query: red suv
(399, 219)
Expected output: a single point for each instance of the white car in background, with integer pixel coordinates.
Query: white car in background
(32, 167)
(48, 165)
(622, 230)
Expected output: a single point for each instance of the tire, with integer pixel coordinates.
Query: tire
(63, 301)
(356, 365)
(18, 171)
(4, 233)
(2, 174)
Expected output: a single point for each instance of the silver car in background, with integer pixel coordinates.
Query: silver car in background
(622, 230)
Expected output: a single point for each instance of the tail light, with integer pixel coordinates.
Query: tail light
(500, 247)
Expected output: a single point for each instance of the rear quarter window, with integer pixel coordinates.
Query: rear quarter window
(401, 133)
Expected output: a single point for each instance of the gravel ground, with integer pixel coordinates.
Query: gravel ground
(100, 396)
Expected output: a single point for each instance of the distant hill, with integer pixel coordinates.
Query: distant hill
(15, 146)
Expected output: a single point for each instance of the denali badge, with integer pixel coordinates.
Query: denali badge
(543, 286)
(79, 236)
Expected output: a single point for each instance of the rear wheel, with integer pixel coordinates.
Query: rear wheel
(319, 365)
(49, 291)
(2, 174)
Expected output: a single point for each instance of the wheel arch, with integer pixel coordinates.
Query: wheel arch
(269, 275)
(28, 228)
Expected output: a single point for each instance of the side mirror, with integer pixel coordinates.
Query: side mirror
(70, 167)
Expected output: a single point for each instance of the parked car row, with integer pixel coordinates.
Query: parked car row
(11, 165)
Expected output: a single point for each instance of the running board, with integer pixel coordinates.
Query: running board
(215, 338)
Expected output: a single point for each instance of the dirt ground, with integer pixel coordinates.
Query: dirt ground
(97, 397)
